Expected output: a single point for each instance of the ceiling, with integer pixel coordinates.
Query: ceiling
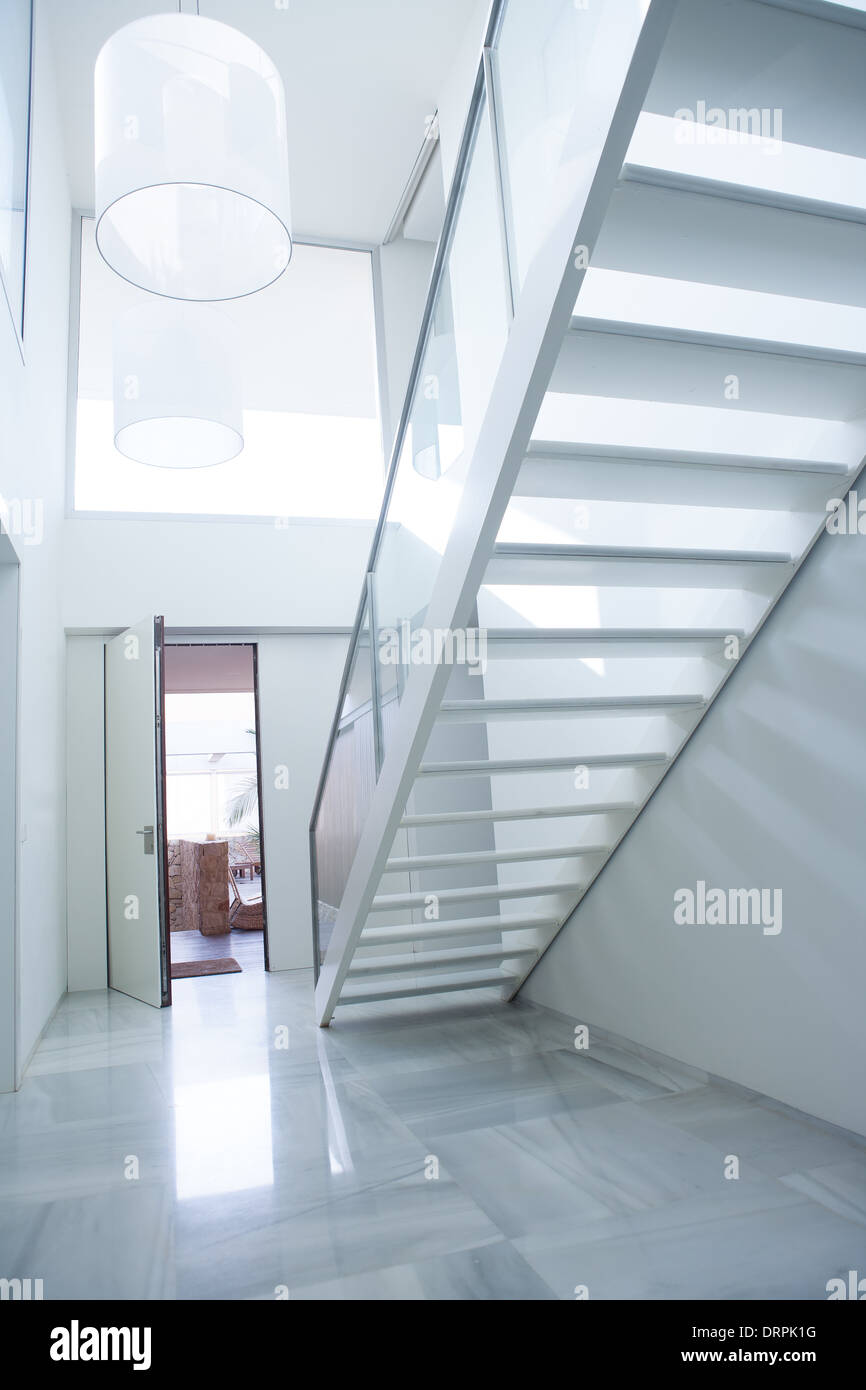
(361, 77)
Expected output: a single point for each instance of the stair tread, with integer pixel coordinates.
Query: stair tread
(361, 993)
(483, 765)
(612, 634)
(519, 813)
(519, 549)
(635, 171)
(463, 926)
(422, 960)
(587, 702)
(724, 488)
(704, 314)
(488, 856)
(564, 452)
(383, 902)
(707, 337)
(741, 170)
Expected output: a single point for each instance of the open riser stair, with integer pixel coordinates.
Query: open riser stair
(702, 410)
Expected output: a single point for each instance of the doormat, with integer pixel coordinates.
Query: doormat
(184, 969)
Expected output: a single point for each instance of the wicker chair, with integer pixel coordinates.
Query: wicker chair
(249, 915)
(242, 858)
(239, 858)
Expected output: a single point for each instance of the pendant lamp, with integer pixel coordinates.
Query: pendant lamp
(192, 182)
(177, 390)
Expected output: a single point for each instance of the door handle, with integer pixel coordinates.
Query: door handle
(147, 832)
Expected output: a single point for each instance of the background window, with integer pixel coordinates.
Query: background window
(307, 349)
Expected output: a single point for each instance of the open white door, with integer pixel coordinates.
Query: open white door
(135, 845)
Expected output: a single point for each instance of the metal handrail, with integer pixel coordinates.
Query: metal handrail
(458, 179)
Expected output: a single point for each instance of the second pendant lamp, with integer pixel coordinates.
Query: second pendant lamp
(177, 394)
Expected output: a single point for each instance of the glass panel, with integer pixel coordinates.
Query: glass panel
(550, 58)
(347, 792)
(467, 336)
(15, 26)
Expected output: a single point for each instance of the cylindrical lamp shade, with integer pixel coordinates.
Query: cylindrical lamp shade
(177, 391)
(192, 179)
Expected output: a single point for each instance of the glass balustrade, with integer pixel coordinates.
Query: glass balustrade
(525, 149)
(346, 789)
(551, 65)
(467, 335)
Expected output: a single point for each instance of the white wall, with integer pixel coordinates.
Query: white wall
(32, 441)
(299, 677)
(85, 809)
(768, 793)
(212, 574)
(8, 807)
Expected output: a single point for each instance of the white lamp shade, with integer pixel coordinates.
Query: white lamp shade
(192, 180)
(177, 391)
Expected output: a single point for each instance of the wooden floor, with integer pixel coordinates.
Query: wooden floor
(247, 947)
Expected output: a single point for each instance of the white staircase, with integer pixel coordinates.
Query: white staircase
(689, 416)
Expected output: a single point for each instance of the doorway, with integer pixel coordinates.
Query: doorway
(215, 855)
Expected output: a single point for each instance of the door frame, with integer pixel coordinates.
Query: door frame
(262, 852)
(179, 640)
(10, 840)
(162, 823)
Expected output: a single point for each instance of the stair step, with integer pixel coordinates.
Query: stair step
(609, 572)
(464, 926)
(484, 767)
(488, 856)
(783, 279)
(372, 993)
(599, 808)
(617, 424)
(387, 902)
(423, 962)
(541, 450)
(664, 554)
(477, 711)
(682, 369)
(724, 483)
(580, 643)
(707, 315)
(801, 178)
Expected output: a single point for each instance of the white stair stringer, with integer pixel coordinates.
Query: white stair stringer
(626, 529)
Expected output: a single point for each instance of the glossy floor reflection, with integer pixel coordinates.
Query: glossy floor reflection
(227, 1148)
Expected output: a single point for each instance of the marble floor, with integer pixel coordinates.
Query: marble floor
(229, 1149)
